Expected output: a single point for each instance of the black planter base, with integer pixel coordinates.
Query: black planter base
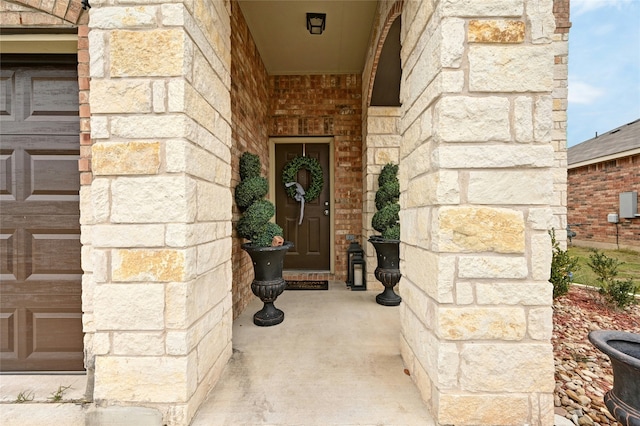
(268, 315)
(624, 413)
(388, 298)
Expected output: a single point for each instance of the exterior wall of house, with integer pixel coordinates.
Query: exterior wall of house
(249, 132)
(326, 105)
(156, 219)
(477, 163)
(594, 192)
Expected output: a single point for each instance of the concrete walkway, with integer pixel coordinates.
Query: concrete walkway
(335, 360)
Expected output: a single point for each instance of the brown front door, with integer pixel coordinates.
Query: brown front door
(40, 287)
(311, 238)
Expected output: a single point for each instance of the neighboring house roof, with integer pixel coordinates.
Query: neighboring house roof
(620, 142)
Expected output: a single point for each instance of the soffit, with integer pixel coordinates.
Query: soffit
(286, 47)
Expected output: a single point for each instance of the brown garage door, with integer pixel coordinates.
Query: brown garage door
(40, 291)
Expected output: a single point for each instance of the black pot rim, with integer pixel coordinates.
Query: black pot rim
(601, 338)
(250, 247)
(379, 239)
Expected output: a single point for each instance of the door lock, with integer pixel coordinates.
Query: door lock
(326, 212)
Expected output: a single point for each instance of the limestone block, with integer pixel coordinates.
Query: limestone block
(137, 344)
(100, 199)
(527, 187)
(120, 96)
(510, 68)
(514, 293)
(523, 119)
(494, 156)
(540, 218)
(212, 346)
(452, 33)
(431, 272)
(143, 379)
(492, 267)
(189, 234)
(159, 96)
(97, 53)
(479, 229)
(467, 323)
(214, 202)
(100, 343)
(451, 82)
(386, 155)
(128, 236)
(482, 7)
(149, 126)
(496, 31)
(540, 323)
(88, 287)
(213, 254)
(148, 265)
(173, 14)
(177, 343)
(419, 222)
(129, 307)
(125, 158)
(383, 140)
(435, 188)
(160, 199)
(543, 23)
(541, 254)
(100, 127)
(123, 17)
(211, 87)
(467, 119)
(516, 367)
(100, 264)
(154, 53)
(472, 409)
(543, 119)
(465, 293)
(420, 13)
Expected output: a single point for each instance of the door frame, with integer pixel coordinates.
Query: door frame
(272, 181)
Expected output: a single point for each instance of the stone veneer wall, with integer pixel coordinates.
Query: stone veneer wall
(477, 165)
(249, 132)
(607, 179)
(326, 105)
(156, 220)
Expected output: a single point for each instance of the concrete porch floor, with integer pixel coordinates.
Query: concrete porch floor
(335, 360)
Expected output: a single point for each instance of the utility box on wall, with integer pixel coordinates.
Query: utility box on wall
(629, 204)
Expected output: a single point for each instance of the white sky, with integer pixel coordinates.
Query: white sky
(604, 67)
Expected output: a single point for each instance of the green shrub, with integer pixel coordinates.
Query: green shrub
(387, 219)
(562, 267)
(618, 293)
(255, 223)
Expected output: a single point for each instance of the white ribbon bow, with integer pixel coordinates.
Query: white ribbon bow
(298, 197)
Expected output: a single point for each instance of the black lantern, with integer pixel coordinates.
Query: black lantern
(358, 272)
(316, 22)
(353, 248)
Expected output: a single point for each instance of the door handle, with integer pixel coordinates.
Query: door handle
(326, 212)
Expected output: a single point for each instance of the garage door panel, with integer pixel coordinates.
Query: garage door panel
(7, 254)
(54, 256)
(8, 324)
(7, 175)
(52, 177)
(7, 95)
(41, 295)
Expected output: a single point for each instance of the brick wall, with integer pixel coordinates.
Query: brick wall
(593, 193)
(249, 82)
(326, 105)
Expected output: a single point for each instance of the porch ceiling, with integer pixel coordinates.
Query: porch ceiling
(280, 33)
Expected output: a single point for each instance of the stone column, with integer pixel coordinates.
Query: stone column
(476, 175)
(382, 146)
(157, 216)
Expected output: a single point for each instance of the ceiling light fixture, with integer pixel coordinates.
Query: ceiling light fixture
(316, 22)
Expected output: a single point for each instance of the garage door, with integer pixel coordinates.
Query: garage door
(40, 299)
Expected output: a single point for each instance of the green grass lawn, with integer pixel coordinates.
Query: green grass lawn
(584, 275)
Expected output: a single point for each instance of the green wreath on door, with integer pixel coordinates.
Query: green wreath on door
(290, 173)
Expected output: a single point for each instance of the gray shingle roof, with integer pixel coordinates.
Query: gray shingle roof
(616, 141)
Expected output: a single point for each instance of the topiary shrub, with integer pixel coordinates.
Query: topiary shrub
(387, 219)
(254, 225)
(562, 268)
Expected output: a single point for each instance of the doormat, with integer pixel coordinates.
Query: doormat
(307, 285)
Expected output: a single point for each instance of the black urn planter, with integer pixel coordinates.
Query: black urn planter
(268, 283)
(388, 269)
(623, 348)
